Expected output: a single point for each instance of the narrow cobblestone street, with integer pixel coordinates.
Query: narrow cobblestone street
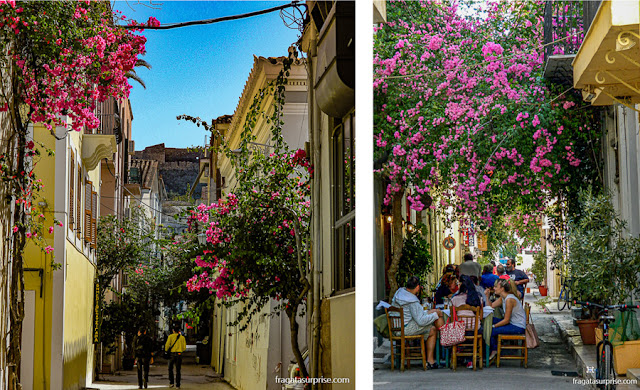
(551, 355)
(194, 376)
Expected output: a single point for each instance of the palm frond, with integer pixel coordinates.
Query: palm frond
(134, 76)
(141, 62)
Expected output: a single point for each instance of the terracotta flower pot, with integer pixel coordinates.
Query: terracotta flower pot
(543, 291)
(588, 331)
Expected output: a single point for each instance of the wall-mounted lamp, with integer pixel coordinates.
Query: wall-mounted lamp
(389, 218)
(410, 227)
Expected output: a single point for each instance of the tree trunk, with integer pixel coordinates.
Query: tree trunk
(396, 232)
(293, 325)
(16, 306)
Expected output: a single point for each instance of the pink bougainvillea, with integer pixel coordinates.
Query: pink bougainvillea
(99, 54)
(462, 110)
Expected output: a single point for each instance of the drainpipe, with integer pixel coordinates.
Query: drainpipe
(314, 138)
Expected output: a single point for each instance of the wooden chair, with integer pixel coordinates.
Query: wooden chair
(395, 319)
(473, 341)
(516, 342)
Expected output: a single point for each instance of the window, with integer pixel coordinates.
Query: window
(344, 203)
(72, 169)
(87, 211)
(94, 216)
(90, 213)
(78, 210)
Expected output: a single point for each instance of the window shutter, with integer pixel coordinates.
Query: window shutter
(94, 217)
(72, 169)
(79, 203)
(87, 211)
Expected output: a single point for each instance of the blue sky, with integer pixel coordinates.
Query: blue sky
(197, 70)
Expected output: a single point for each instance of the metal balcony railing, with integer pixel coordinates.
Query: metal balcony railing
(563, 27)
(107, 113)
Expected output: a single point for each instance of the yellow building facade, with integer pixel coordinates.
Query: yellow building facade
(58, 350)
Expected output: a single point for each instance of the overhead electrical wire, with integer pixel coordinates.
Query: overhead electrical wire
(477, 64)
(295, 4)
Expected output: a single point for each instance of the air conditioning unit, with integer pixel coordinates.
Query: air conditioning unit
(131, 148)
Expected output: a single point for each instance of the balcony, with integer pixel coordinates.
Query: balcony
(565, 26)
(107, 113)
(335, 70)
(607, 65)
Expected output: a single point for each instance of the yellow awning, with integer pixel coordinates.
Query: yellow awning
(607, 66)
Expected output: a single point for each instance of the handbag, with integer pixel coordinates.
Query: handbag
(452, 333)
(531, 335)
(167, 354)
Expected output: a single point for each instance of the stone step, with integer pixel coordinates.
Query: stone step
(634, 374)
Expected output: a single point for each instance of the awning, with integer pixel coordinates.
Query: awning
(607, 66)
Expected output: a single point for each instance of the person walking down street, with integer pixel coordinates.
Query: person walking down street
(470, 267)
(175, 345)
(142, 345)
(518, 276)
(418, 321)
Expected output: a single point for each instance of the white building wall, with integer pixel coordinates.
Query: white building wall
(621, 172)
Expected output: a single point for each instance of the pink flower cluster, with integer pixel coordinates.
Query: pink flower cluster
(464, 120)
(75, 79)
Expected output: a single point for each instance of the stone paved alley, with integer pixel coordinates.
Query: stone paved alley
(194, 376)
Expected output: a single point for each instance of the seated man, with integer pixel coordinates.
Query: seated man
(501, 272)
(416, 319)
(517, 276)
(488, 278)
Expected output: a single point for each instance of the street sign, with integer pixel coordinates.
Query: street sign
(449, 243)
(482, 241)
(96, 312)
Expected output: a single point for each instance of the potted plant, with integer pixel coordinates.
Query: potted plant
(604, 262)
(539, 271)
(416, 257)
